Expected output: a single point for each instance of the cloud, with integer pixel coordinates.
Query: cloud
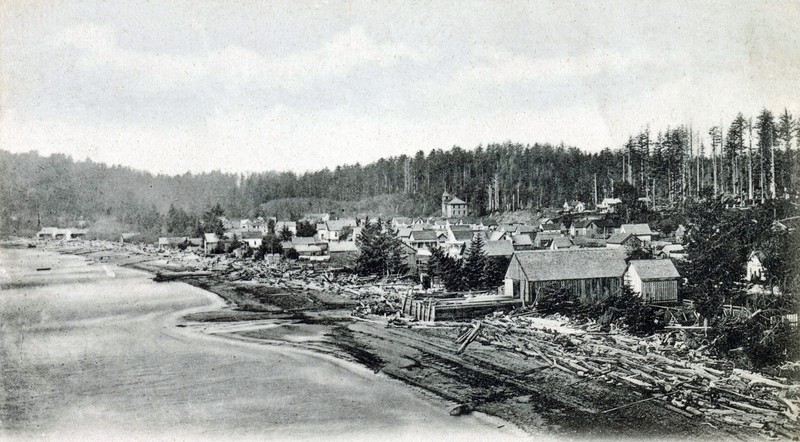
(234, 66)
(492, 66)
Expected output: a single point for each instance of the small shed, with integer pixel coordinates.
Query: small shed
(656, 280)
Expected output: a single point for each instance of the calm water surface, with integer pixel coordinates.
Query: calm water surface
(88, 350)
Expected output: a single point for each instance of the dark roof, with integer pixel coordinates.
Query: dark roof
(456, 201)
(423, 235)
(648, 269)
(582, 224)
(619, 238)
(251, 234)
(551, 226)
(560, 265)
(460, 227)
(583, 241)
(607, 223)
(462, 235)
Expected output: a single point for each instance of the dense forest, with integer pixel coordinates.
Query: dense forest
(750, 159)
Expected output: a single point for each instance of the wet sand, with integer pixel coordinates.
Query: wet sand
(91, 350)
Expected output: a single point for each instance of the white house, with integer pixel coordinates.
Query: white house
(453, 206)
(755, 267)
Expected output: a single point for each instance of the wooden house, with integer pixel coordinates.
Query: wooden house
(642, 231)
(343, 253)
(423, 239)
(587, 273)
(655, 280)
(627, 241)
(522, 242)
(580, 228)
(453, 206)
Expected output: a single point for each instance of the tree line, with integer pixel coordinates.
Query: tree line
(749, 158)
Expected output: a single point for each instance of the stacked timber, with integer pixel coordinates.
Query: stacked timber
(691, 384)
(452, 307)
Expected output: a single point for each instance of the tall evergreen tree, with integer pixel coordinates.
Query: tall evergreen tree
(475, 264)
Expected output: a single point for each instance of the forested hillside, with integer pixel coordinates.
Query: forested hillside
(752, 158)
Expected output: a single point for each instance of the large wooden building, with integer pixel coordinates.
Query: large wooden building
(587, 273)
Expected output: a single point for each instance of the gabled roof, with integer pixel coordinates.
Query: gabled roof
(607, 201)
(460, 227)
(456, 201)
(674, 248)
(339, 224)
(637, 229)
(560, 265)
(524, 229)
(423, 235)
(551, 227)
(496, 236)
(607, 223)
(488, 222)
(498, 248)
(522, 240)
(462, 235)
(619, 238)
(649, 269)
(582, 224)
(562, 243)
(404, 232)
(507, 227)
(211, 237)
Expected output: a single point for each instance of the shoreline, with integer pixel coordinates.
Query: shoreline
(223, 305)
(482, 379)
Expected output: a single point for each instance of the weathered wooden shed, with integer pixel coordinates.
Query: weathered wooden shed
(588, 273)
(655, 279)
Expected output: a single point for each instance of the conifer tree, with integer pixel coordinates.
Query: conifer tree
(475, 264)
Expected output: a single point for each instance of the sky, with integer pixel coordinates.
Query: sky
(247, 86)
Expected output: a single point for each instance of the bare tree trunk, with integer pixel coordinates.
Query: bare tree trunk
(714, 164)
(771, 167)
(750, 195)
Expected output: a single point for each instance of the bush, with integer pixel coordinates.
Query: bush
(555, 299)
(764, 341)
(291, 254)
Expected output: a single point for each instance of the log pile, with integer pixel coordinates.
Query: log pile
(691, 384)
(454, 308)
